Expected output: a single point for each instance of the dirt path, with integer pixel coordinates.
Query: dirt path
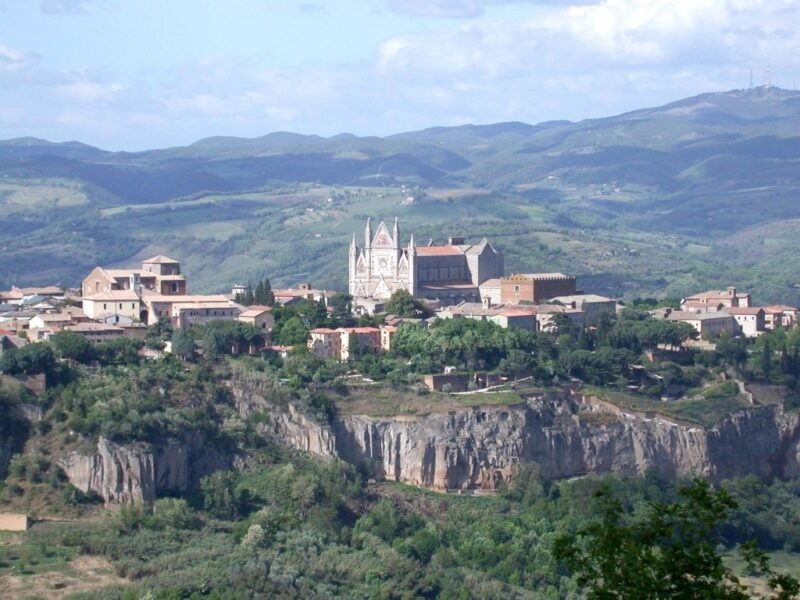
(84, 573)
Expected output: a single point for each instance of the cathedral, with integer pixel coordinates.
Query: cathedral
(450, 272)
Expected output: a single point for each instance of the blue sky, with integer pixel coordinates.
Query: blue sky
(135, 74)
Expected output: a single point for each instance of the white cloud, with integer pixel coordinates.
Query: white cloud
(12, 60)
(86, 91)
(65, 7)
(463, 8)
(567, 61)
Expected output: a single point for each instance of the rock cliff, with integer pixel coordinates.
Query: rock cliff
(479, 448)
(138, 472)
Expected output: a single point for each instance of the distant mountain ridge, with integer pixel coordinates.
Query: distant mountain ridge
(696, 172)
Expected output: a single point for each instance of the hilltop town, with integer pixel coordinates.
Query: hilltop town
(429, 282)
(439, 370)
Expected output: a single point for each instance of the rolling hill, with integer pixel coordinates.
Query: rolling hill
(643, 202)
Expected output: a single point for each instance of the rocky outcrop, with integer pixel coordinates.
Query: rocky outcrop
(479, 448)
(139, 472)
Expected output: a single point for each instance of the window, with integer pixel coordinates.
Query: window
(104, 306)
(133, 305)
(516, 289)
(120, 305)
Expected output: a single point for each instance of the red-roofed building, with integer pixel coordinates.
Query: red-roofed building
(346, 343)
(749, 319)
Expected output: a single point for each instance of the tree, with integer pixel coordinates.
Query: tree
(183, 344)
(73, 346)
(670, 553)
(28, 360)
(766, 359)
(261, 293)
(403, 304)
(292, 332)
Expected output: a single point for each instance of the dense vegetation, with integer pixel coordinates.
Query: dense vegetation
(291, 527)
(286, 525)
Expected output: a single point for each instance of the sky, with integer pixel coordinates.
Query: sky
(138, 74)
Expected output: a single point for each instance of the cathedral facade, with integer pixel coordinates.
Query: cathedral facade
(451, 272)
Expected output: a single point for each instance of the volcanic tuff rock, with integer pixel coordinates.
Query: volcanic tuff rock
(478, 448)
(467, 449)
(138, 472)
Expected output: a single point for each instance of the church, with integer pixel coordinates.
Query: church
(450, 273)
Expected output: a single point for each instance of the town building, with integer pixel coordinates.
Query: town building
(715, 300)
(304, 291)
(535, 287)
(124, 303)
(384, 264)
(96, 332)
(592, 305)
(780, 316)
(504, 316)
(750, 320)
(159, 274)
(707, 324)
(347, 343)
(258, 316)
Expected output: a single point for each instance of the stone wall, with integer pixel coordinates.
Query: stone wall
(14, 522)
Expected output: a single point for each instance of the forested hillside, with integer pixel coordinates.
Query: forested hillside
(699, 192)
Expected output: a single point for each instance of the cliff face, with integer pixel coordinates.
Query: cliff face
(479, 448)
(468, 449)
(138, 472)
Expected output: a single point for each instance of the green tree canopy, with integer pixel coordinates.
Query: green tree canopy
(669, 553)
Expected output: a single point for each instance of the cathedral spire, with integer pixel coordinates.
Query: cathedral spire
(411, 244)
(368, 234)
(353, 244)
(396, 233)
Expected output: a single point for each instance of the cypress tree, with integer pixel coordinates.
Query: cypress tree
(269, 298)
(261, 293)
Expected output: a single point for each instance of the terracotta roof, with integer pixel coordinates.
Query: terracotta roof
(782, 308)
(439, 251)
(579, 298)
(515, 313)
(445, 285)
(744, 310)
(160, 259)
(322, 330)
(359, 329)
(115, 295)
(50, 290)
(683, 315)
(539, 276)
(115, 273)
(210, 304)
(55, 317)
(93, 327)
(186, 299)
(255, 312)
(491, 283)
